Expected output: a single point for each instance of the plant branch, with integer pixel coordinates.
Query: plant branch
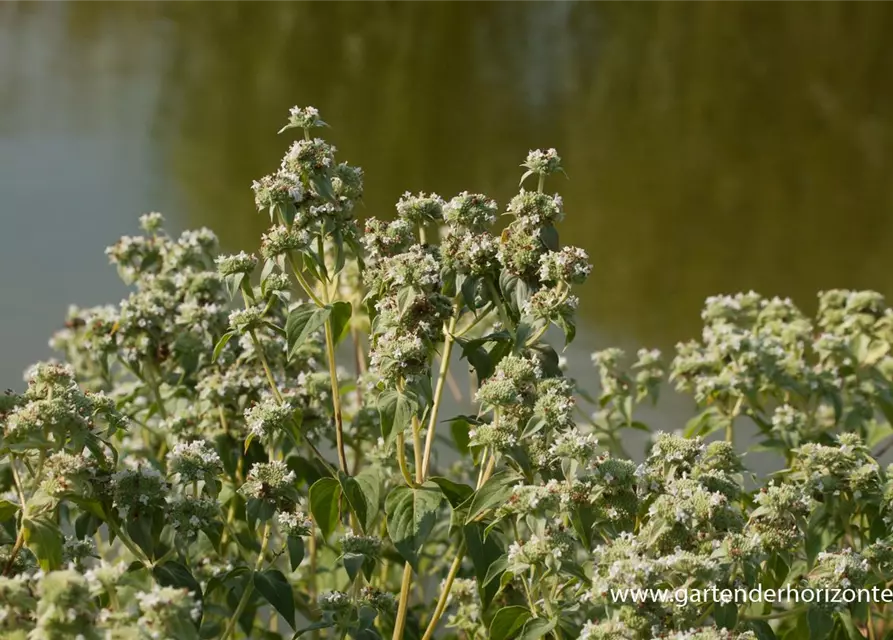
(438, 389)
(445, 593)
(249, 588)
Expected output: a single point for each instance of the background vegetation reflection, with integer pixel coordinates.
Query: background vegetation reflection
(711, 148)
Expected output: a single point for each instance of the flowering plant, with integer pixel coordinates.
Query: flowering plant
(200, 466)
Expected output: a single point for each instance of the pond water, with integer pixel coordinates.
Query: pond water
(710, 147)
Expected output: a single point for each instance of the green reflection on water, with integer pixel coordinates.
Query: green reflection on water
(711, 147)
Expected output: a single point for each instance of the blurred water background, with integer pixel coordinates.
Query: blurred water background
(711, 147)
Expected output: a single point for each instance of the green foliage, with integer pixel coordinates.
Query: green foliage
(203, 466)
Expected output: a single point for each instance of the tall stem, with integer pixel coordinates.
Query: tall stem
(249, 588)
(417, 449)
(445, 593)
(401, 461)
(266, 365)
(497, 300)
(486, 470)
(406, 585)
(438, 389)
(403, 605)
(336, 397)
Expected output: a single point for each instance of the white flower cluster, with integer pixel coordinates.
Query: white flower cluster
(294, 523)
(268, 481)
(239, 263)
(570, 265)
(193, 461)
(421, 208)
(268, 418)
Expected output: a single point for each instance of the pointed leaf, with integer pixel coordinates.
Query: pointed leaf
(495, 491)
(455, 492)
(274, 587)
(341, 312)
(303, 320)
(325, 496)
(507, 622)
(44, 539)
(411, 516)
(295, 546)
(537, 628)
(176, 574)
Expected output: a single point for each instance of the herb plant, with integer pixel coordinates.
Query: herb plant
(256, 445)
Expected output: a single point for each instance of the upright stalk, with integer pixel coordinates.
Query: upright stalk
(438, 389)
(486, 470)
(336, 397)
(249, 588)
(403, 604)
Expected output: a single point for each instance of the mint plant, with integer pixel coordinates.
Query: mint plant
(256, 445)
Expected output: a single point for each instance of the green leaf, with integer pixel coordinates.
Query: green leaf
(762, 629)
(362, 493)
(325, 496)
(537, 628)
(396, 410)
(411, 516)
(322, 185)
(273, 586)
(725, 615)
(459, 429)
(7, 509)
(847, 621)
(455, 492)
(295, 546)
(341, 312)
(495, 491)
(218, 348)
(703, 424)
(303, 320)
(549, 237)
(222, 580)
(483, 553)
(353, 564)
(820, 623)
(175, 574)
(496, 569)
(507, 622)
(44, 539)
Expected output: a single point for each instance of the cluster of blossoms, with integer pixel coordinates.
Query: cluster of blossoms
(530, 410)
(194, 461)
(404, 285)
(468, 248)
(271, 482)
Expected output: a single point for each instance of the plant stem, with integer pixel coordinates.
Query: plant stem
(336, 397)
(127, 542)
(483, 313)
(20, 541)
(249, 588)
(438, 389)
(401, 460)
(303, 282)
(497, 300)
(266, 365)
(403, 605)
(417, 449)
(529, 597)
(457, 561)
(445, 592)
(406, 585)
